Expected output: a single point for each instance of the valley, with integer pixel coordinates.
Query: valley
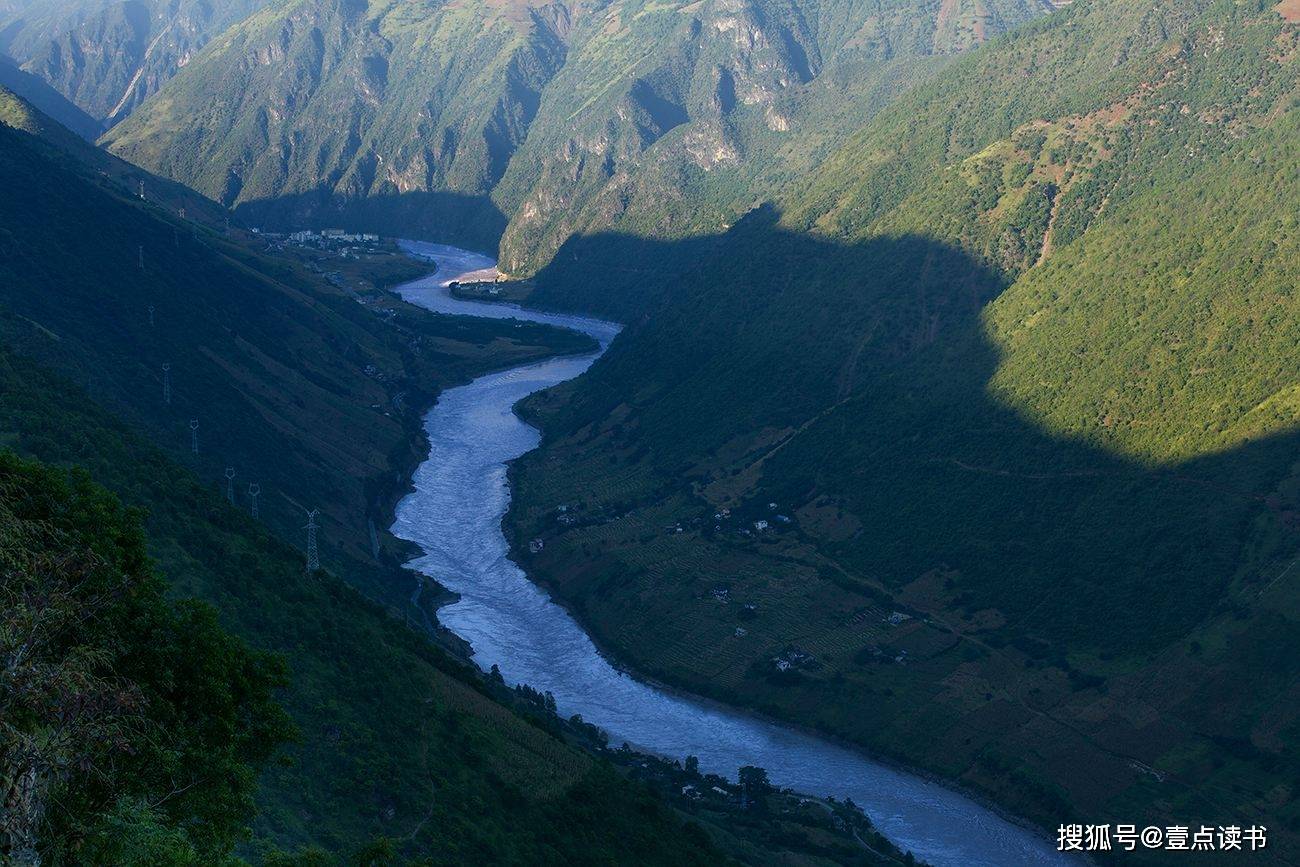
(942, 466)
(513, 627)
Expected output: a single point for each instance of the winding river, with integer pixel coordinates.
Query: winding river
(454, 516)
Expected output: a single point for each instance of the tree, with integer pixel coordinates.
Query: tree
(141, 719)
(754, 787)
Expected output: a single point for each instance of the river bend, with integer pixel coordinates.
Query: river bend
(454, 516)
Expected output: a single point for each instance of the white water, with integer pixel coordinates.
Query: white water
(455, 514)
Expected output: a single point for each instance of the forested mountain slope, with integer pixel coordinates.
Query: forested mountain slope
(404, 754)
(292, 383)
(83, 156)
(108, 56)
(449, 119)
(1017, 364)
(395, 738)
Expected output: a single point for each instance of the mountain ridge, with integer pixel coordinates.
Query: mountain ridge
(539, 111)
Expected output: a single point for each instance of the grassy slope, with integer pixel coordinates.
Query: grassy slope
(1028, 380)
(19, 113)
(669, 120)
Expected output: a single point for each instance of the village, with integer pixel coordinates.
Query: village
(339, 241)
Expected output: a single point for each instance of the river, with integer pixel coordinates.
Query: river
(454, 516)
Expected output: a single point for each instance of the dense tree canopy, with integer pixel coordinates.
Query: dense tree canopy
(132, 727)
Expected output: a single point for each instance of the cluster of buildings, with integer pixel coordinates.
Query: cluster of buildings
(333, 237)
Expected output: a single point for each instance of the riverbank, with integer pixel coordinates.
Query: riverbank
(455, 517)
(701, 693)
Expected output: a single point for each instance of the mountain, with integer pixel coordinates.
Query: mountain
(448, 120)
(404, 753)
(108, 56)
(294, 384)
(274, 368)
(48, 100)
(412, 108)
(670, 120)
(82, 156)
(987, 422)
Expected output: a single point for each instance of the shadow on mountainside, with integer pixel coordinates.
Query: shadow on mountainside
(164, 323)
(1092, 635)
(858, 375)
(473, 222)
(36, 91)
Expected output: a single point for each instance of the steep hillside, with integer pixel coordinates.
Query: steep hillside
(449, 120)
(81, 156)
(672, 119)
(382, 114)
(405, 754)
(1017, 365)
(294, 384)
(108, 56)
(48, 100)
(396, 740)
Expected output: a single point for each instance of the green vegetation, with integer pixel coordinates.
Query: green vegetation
(295, 384)
(448, 120)
(133, 728)
(106, 57)
(402, 753)
(396, 738)
(976, 445)
(1017, 364)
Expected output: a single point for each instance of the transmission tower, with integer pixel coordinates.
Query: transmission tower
(142, 189)
(194, 435)
(230, 485)
(151, 316)
(167, 381)
(313, 557)
(253, 490)
(142, 258)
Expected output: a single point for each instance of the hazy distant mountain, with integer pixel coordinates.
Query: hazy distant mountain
(451, 119)
(108, 56)
(48, 100)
